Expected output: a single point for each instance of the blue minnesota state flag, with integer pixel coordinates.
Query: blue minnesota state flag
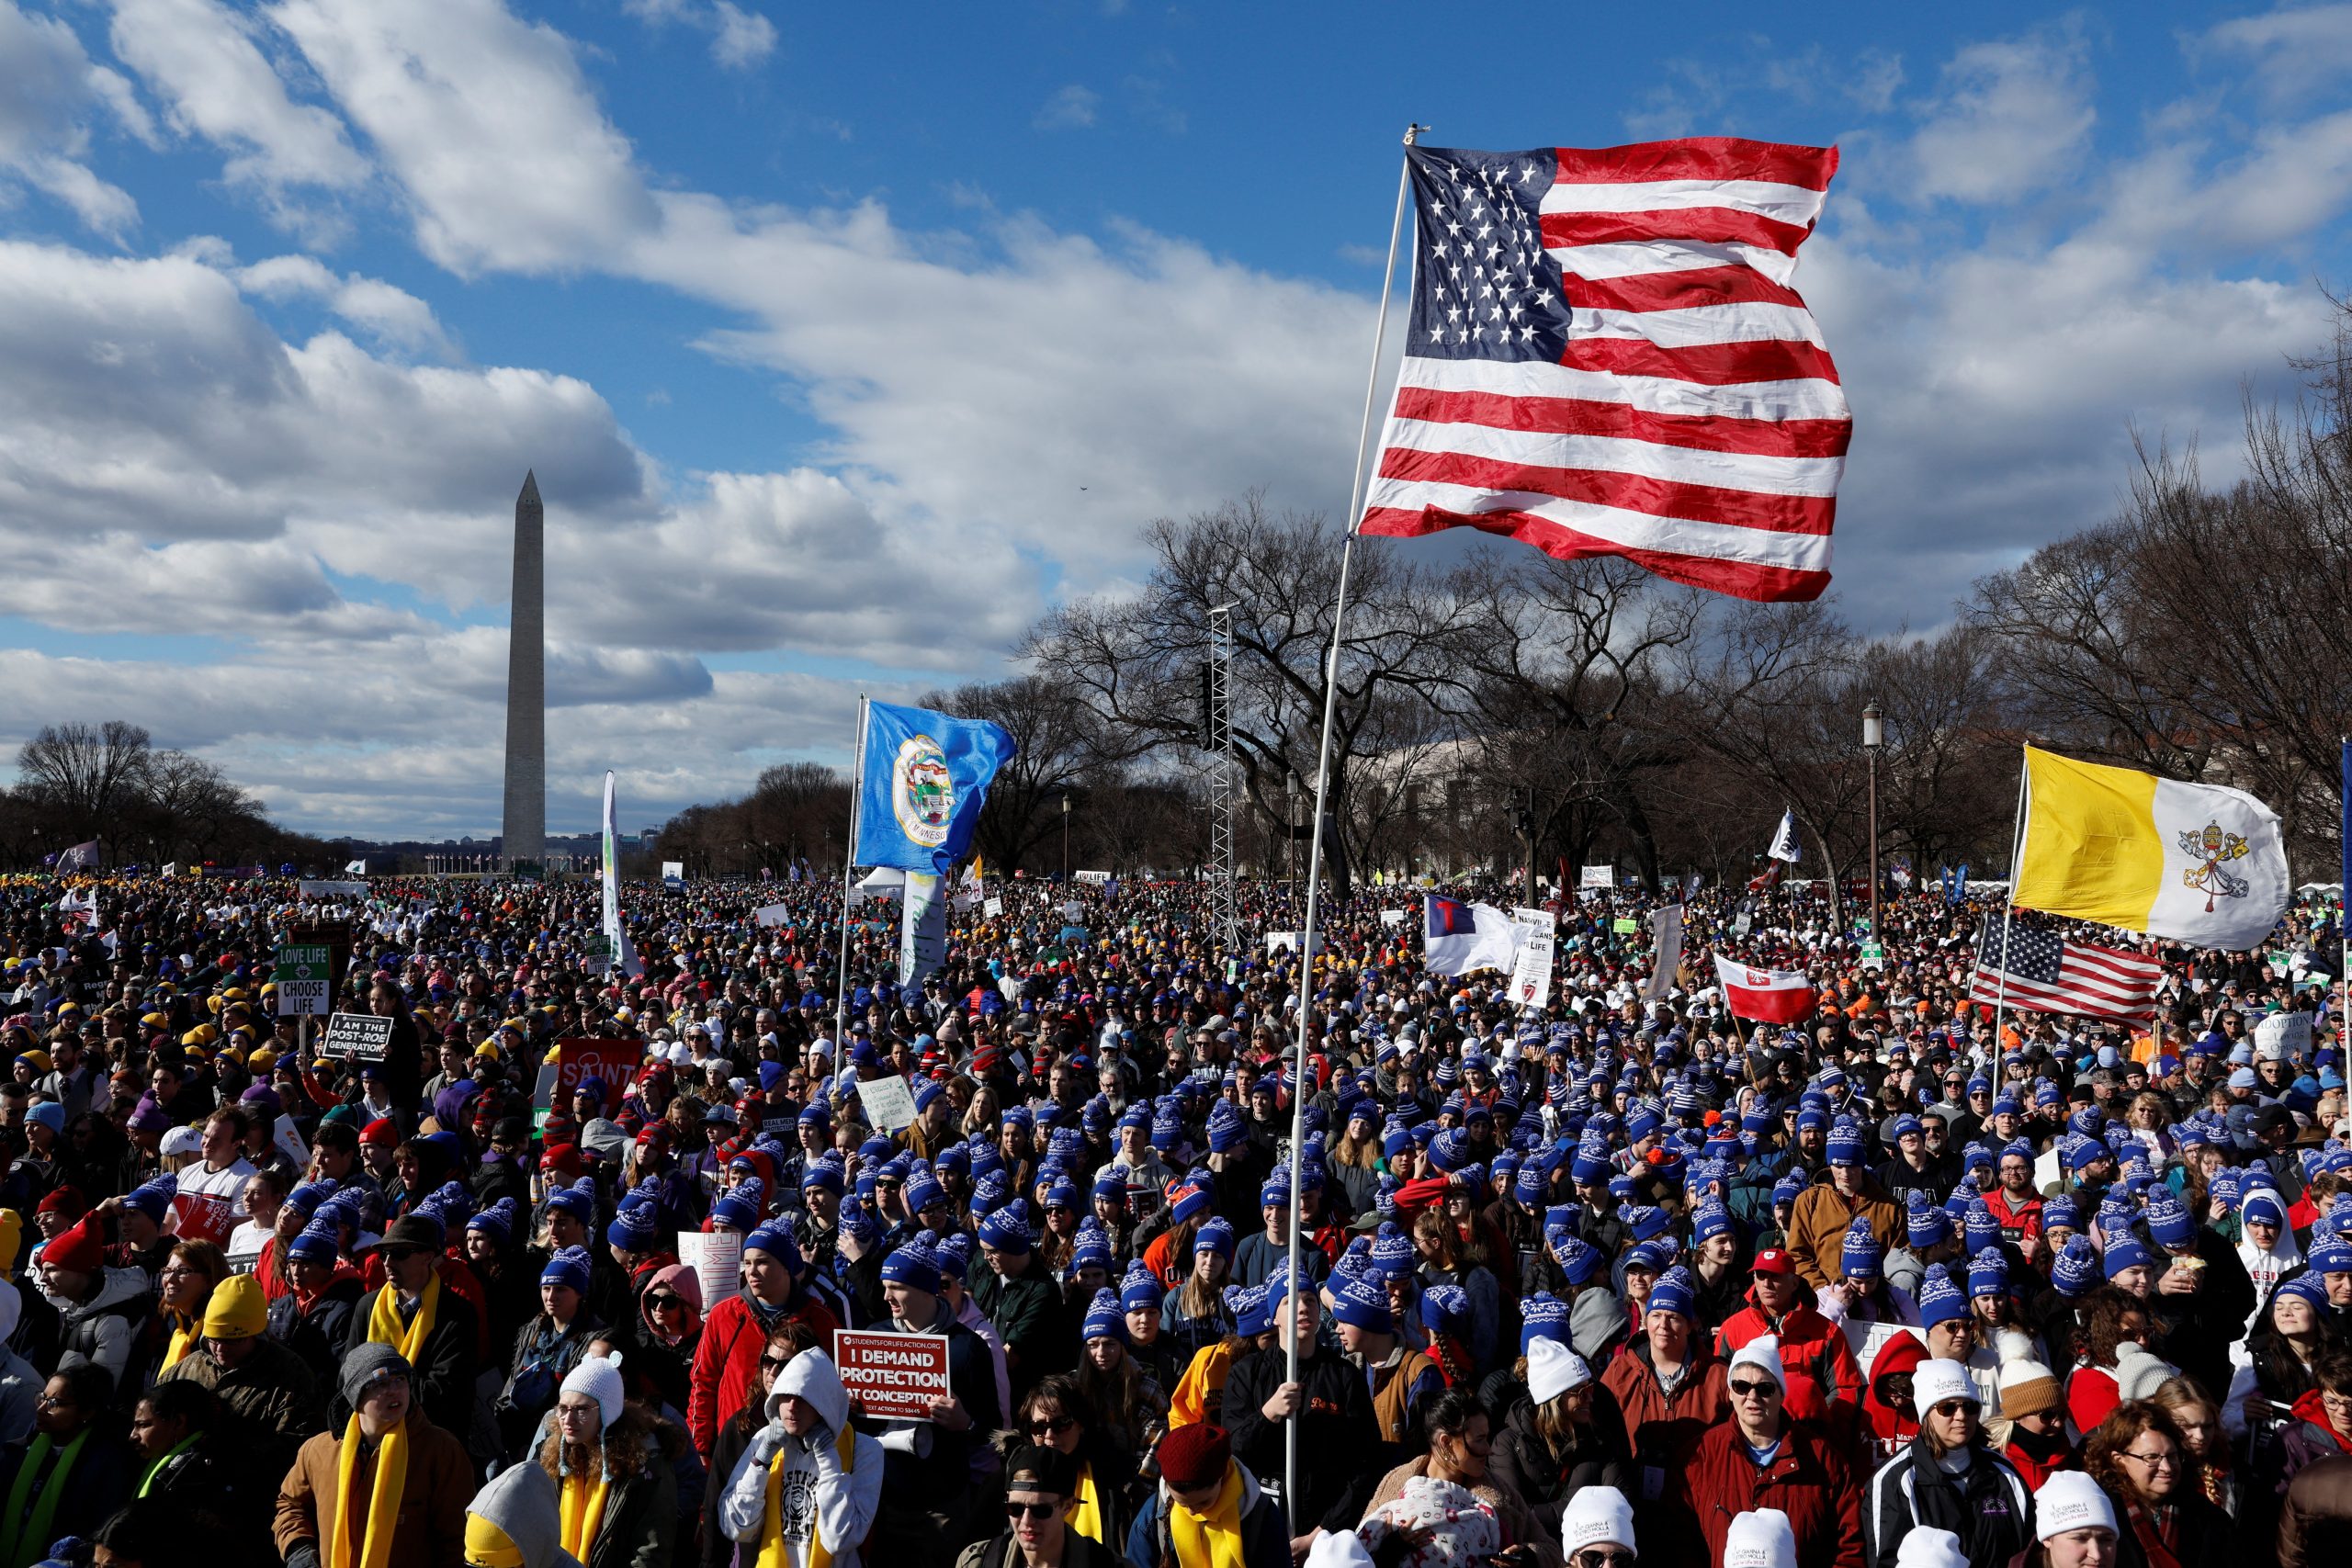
(926, 778)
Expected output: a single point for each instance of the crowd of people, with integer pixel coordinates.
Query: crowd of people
(1916, 1282)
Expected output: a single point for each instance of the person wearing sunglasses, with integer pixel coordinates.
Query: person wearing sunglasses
(1038, 1482)
(1762, 1458)
(1597, 1529)
(1949, 1478)
(668, 1327)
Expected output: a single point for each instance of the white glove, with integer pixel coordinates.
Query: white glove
(766, 1443)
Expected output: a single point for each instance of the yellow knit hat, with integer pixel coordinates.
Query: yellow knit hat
(236, 1309)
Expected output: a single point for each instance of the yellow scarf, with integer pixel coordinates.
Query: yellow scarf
(1211, 1539)
(384, 1320)
(772, 1554)
(1086, 1518)
(383, 1497)
(186, 1332)
(584, 1511)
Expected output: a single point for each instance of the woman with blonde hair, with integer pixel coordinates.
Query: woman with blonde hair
(183, 1285)
(2199, 1420)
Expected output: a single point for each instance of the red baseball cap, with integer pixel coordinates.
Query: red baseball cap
(1772, 1261)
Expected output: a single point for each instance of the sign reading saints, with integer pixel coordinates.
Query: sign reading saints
(922, 792)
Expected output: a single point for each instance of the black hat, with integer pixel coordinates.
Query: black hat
(1038, 1468)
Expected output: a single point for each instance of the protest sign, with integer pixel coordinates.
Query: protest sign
(715, 1256)
(1392, 917)
(331, 889)
(1625, 925)
(1096, 877)
(613, 1061)
(773, 914)
(305, 980)
(1287, 942)
(287, 1137)
(890, 1103)
(894, 1376)
(2287, 1032)
(1537, 919)
(992, 908)
(673, 868)
(358, 1036)
(1597, 877)
(200, 1216)
(1531, 971)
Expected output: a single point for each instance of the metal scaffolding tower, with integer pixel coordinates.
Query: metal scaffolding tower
(1224, 771)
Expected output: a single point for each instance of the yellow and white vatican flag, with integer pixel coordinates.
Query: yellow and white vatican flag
(2194, 862)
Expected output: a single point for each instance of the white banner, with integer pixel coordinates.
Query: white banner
(923, 928)
(331, 889)
(890, 1103)
(773, 914)
(676, 868)
(1597, 877)
(1531, 971)
(1097, 877)
(715, 1256)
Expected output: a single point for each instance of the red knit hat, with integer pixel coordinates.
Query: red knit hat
(383, 1130)
(80, 1250)
(1195, 1456)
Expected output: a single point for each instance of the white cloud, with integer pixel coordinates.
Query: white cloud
(206, 62)
(392, 317)
(2013, 116)
(739, 40)
(2297, 50)
(742, 38)
(485, 121)
(1071, 109)
(47, 90)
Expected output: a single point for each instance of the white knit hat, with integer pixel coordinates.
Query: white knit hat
(1338, 1549)
(1933, 1382)
(1926, 1547)
(1553, 1369)
(1596, 1515)
(2070, 1500)
(599, 1380)
(1762, 1352)
(1763, 1538)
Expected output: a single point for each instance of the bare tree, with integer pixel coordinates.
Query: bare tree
(85, 777)
(1061, 751)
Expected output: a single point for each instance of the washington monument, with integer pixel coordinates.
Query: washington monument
(525, 830)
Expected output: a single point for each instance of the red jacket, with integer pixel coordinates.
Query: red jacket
(1810, 1344)
(1808, 1480)
(727, 1361)
(2022, 1221)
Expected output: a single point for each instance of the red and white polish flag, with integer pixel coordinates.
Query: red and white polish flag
(1766, 996)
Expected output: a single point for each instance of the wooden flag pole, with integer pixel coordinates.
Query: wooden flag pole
(1298, 1088)
(2008, 911)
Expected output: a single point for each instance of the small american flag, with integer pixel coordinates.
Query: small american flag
(2048, 974)
(1606, 359)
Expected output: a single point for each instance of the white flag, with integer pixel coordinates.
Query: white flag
(1457, 938)
(1666, 935)
(1784, 841)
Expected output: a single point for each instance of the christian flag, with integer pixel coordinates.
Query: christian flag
(1767, 996)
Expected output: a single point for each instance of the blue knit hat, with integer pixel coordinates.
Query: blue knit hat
(1105, 1319)
(1980, 1228)
(1674, 1292)
(1445, 1309)
(1579, 1260)
(315, 1244)
(1940, 1301)
(497, 1221)
(1988, 1273)
(569, 1266)
(1789, 1189)
(305, 1200)
(2170, 1223)
(2061, 1213)
(1364, 1303)
(1846, 1146)
(1190, 1202)
(1711, 1220)
(153, 1198)
(2125, 1252)
(1007, 1230)
(913, 1266)
(578, 1200)
(633, 1230)
(1090, 1250)
(1140, 1290)
(2077, 1267)
(735, 1211)
(775, 1240)
(1392, 1250)
(1927, 1225)
(1542, 1316)
(1215, 1236)
(1860, 1256)
(1251, 1307)
(922, 1189)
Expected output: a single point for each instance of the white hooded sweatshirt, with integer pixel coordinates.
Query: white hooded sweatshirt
(817, 1495)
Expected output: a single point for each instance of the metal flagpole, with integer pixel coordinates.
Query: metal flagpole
(848, 868)
(2009, 909)
(1315, 844)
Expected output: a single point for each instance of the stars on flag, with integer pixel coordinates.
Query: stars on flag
(1488, 291)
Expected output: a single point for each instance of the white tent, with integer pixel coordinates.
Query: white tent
(883, 879)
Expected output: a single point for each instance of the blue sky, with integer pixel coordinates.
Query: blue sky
(845, 340)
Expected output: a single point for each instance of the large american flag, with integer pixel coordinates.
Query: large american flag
(2046, 973)
(1606, 358)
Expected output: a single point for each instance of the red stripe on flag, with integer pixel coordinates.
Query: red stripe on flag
(1700, 158)
(1587, 416)
(1688, 290)
(1767, 584)
(1709, 364)
(1700, 225)
(1635, 492)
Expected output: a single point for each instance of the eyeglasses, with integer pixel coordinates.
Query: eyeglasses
(1593, 1557)
(55, 1401)
(2164, 1459)
(1050, 1426)
(774, 1363)
(664, 1304)
(1754, 1390)
(1036, 1513)
(1951, 1408)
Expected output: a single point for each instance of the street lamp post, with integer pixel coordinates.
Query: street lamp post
(1064, 839)
(1873, 738)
